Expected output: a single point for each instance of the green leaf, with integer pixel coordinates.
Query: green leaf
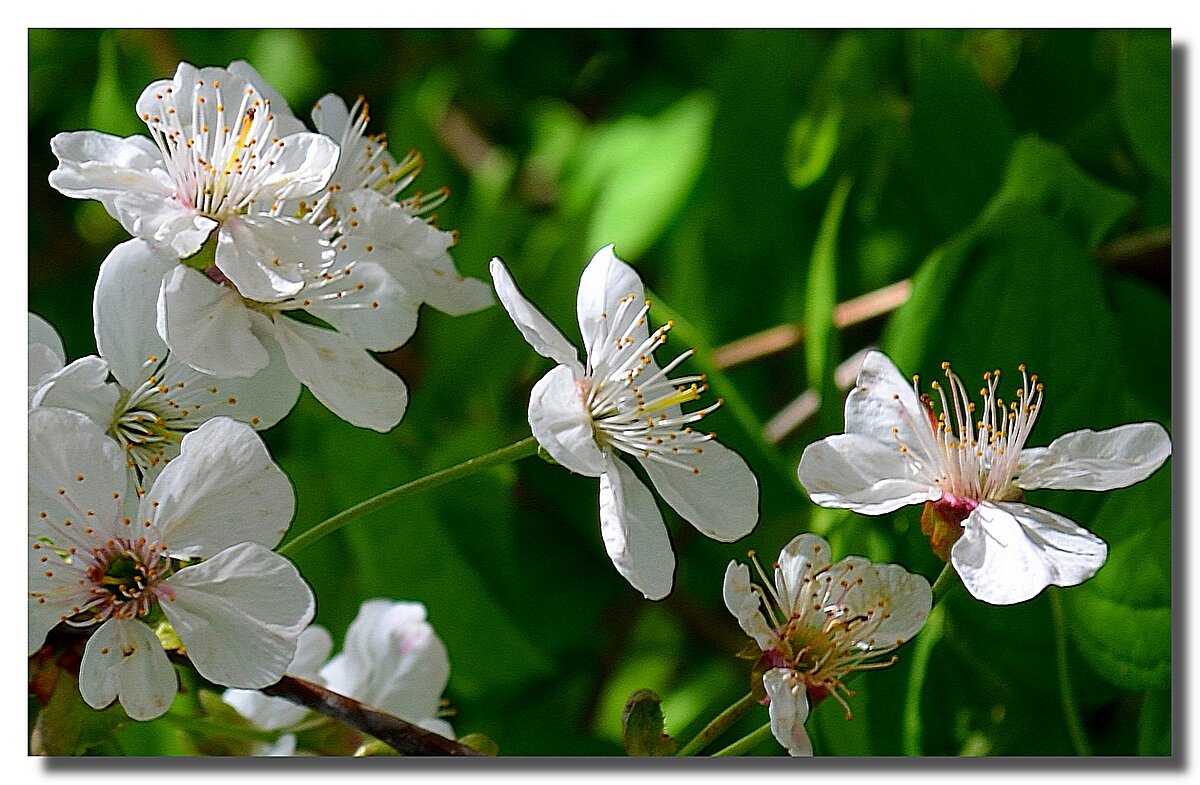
(1144, 314)
(285, 59)
(1018, 288)
(642, 195)
(962, 134)
(1043, 176)
(1121, 618)
(811, 145)
(109, 111)
(642, 726)
(482, 744)
(68, 726)
(820, 347)
(1144, 98)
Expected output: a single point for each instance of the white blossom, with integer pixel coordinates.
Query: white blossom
(816, 623)
(136, 390)
(219, 158)
(620, 401)
(213, 186)
(365, 217)
(392, 660)
(971, 469)
(192, 553)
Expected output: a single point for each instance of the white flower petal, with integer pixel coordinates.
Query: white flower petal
(239, 614)
(604, 282)
(207, 326)
(856, 472)
(260, 400)
(440, 727)
(562, 424)
(1010, 551)
(123, 659)
(720, 500)
(93, 165)
(369, 635)
(1098, 460)
(806, 554)
(83, 387)
(342, 375)
(304, 167)
(883, 399)
(74, 469)
(51, 356)
(125, 309)
(633, 531)
(54, 590)
(165, 222)
(286, 122)
(312, 649)
(905, 597)
(266, 257)
(369, 306)
(745, 604)
(331, 116)
(788, 710)
(393, 660)
(223, 489)
(414, 251)
(538, 331)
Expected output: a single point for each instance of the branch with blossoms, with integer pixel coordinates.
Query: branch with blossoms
(265, 257)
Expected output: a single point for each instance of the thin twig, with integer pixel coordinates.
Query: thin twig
(785, 336)
(802, 409)
(1134, 249)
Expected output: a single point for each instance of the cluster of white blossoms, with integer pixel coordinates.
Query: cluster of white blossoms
(264, 256)
(257, 240)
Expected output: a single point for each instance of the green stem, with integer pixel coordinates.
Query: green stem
(746, 743)
(945, 583)
(911, 730)
(719, 725)
(207, 727)
(1070, 710)
(514, 452)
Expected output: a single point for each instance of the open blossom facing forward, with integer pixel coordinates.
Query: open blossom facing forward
(153, 398)
(971, 469)
(231, 183)
(393, 661)
(220, 158)
(620, 401)
(193, 554)
(816, 623)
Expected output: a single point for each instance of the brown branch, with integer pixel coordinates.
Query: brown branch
(1136, 248)
(785, 336)
(405, 737)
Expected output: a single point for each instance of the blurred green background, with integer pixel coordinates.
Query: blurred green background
(1021, 180)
